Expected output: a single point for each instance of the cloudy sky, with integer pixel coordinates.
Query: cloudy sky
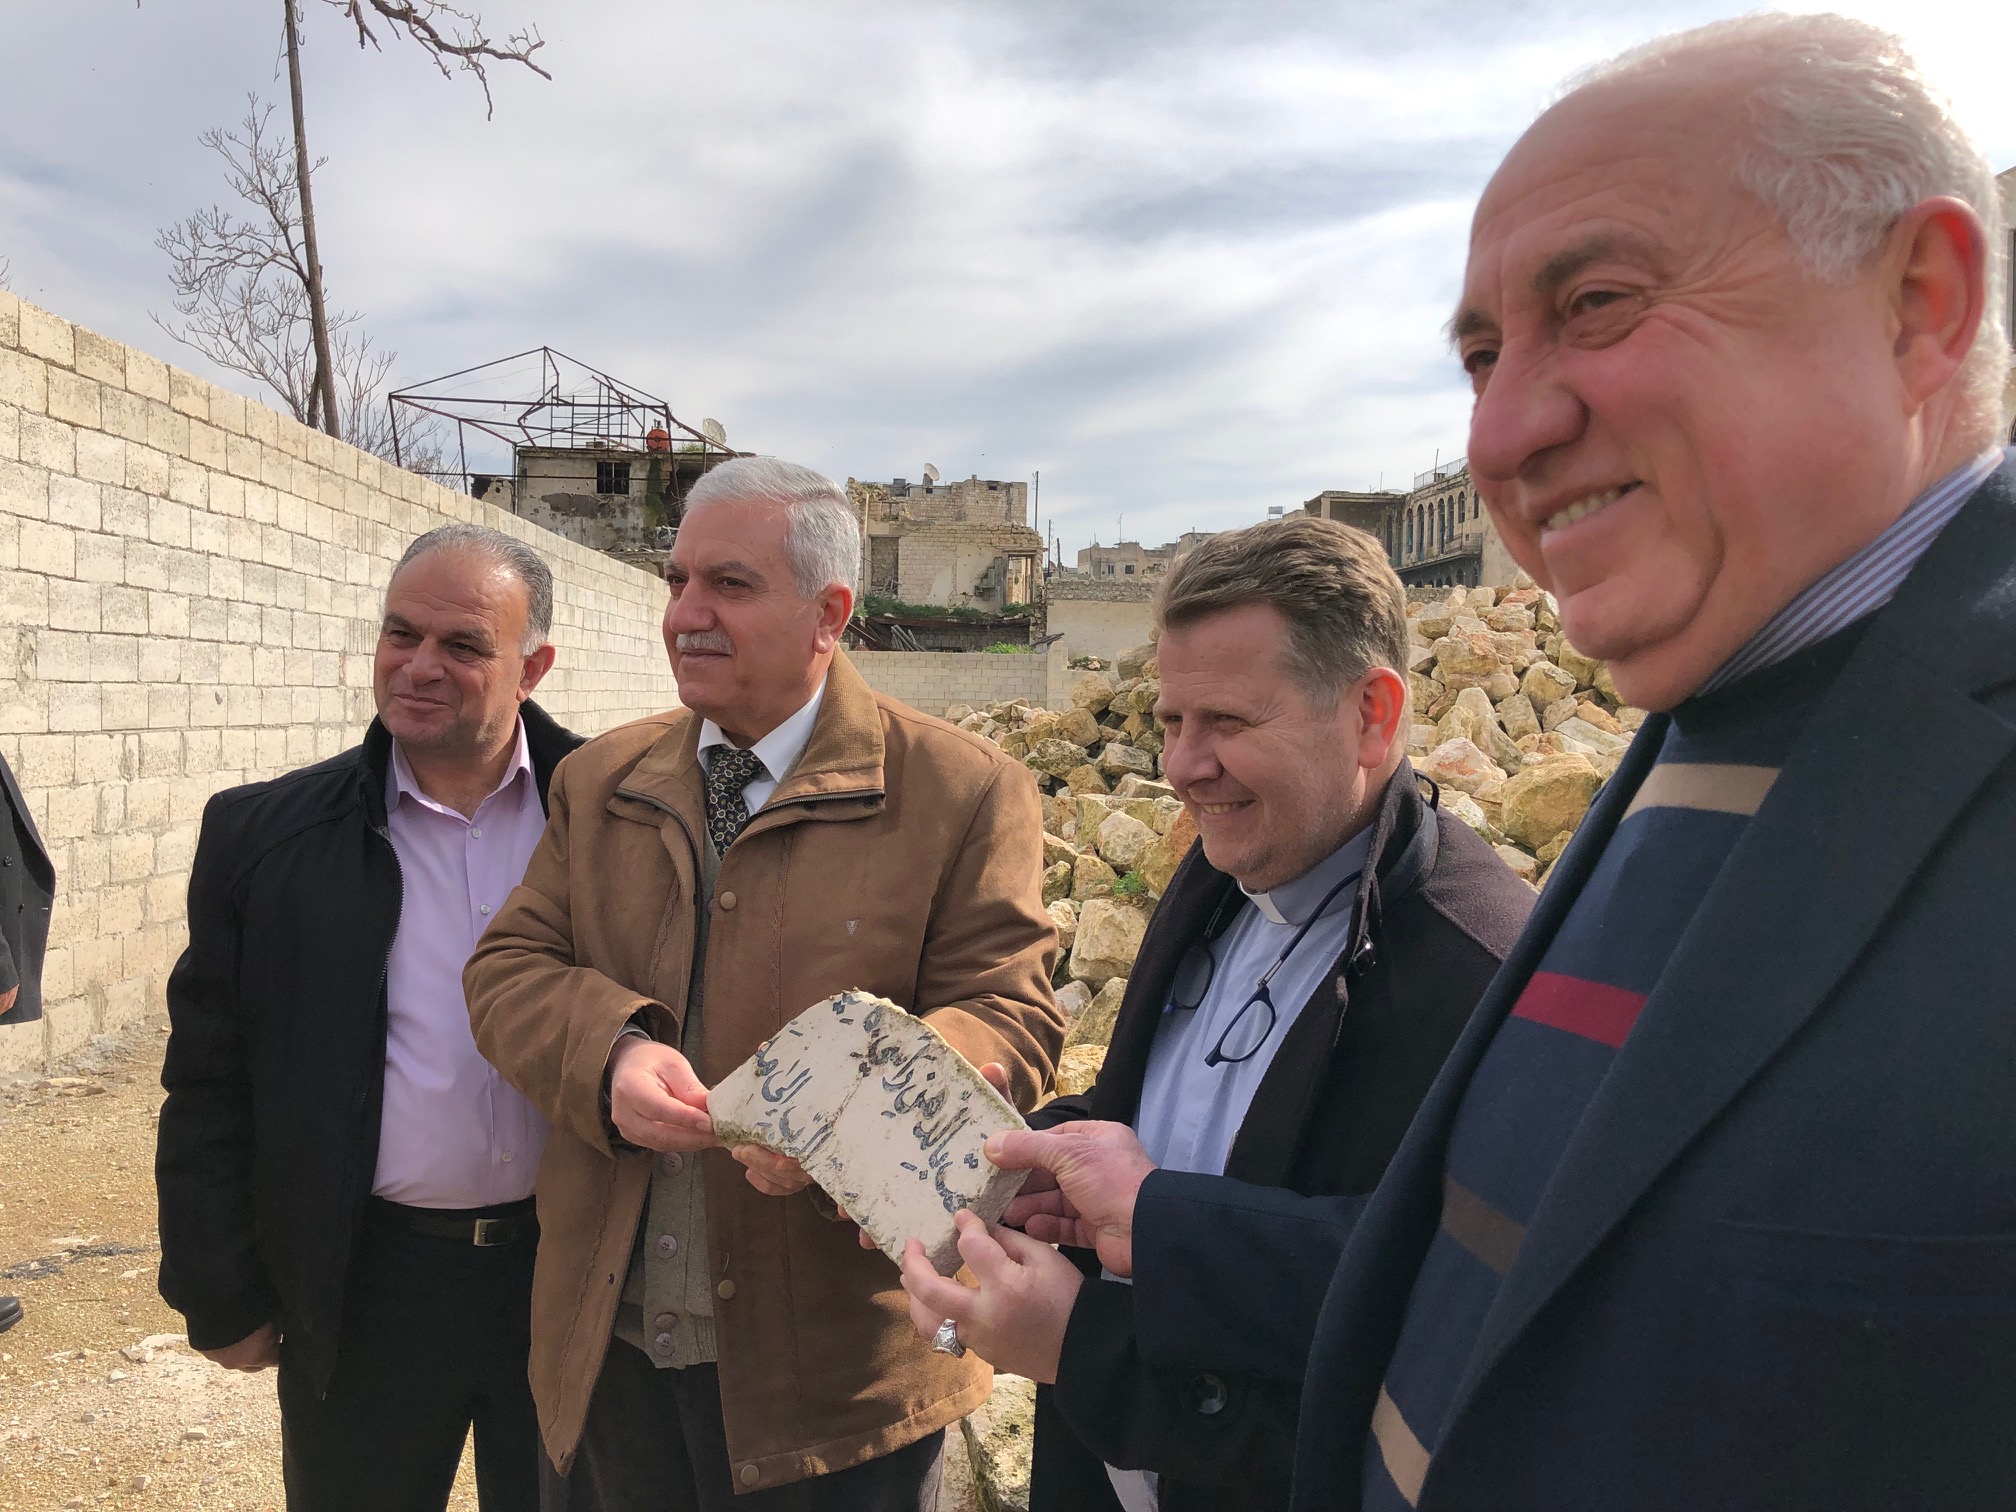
(1186, 260)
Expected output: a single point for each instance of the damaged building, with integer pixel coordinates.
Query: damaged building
(566, 446)
(962, 545)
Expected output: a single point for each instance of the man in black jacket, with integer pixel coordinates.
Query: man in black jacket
(1302, 980)
(345, 1184)
(27, 889)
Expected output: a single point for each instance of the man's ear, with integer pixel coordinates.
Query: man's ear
(537, 665)
(836, 607)
(1938, 264)
(1381, 709)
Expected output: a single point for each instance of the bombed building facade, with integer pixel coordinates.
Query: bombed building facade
(962, 545)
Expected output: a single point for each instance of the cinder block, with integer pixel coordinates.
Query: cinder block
(73, 606)
(100, 457)
(49, 549)
(50, 337)
(73, 398)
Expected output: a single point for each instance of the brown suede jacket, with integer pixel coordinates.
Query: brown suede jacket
(900, 856)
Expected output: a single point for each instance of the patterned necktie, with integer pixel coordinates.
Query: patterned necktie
(728, 772)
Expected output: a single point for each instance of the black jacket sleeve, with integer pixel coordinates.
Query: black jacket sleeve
(1215, 1428)
(211, 1272)
(9, 977)
(1061, 1110)
(1228, 1276)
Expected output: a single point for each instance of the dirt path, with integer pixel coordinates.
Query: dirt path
(101, 1403)
(100, 1400)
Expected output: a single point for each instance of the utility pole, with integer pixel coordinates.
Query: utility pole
(318, 315)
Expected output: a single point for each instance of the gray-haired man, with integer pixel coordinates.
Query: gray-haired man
(345, 1184)
(709, 874)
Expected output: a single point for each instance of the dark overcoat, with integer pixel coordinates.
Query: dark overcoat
(1433, 917)
(1776, 1266)
(27, 890)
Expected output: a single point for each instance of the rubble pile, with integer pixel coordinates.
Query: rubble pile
(1517, 727)
(1113, 834)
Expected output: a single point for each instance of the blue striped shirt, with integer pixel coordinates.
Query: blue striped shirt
(1866, 581)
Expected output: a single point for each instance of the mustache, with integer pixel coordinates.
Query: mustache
(706, 640)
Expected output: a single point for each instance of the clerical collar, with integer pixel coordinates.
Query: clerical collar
(1292, 902)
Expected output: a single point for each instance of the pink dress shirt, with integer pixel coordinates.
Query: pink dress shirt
(454, 1134)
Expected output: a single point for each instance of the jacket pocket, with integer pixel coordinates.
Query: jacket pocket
(1863, 1370)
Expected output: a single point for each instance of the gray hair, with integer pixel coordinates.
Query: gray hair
(822, 535)
(1847, 137)
(507, 552)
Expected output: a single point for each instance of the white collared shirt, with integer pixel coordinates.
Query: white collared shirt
(779, 751)
(1191, 1112)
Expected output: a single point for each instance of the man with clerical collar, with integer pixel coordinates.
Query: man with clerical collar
(1309, 967)
(708, 1333)
(1714, 1203)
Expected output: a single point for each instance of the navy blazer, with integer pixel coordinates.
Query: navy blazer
(1776, 1267)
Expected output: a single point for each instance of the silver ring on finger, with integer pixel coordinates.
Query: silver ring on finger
(946, 1340)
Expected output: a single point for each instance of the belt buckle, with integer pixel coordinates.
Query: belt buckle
(485, 1228)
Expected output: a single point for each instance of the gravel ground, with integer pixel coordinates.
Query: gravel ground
(101, 1401)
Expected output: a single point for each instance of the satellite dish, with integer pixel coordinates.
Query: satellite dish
(930, 473)
(714, 432)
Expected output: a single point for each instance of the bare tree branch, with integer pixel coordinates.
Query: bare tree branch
(241, 288)
(447, 34)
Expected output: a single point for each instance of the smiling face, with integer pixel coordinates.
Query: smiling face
(1676, 429)
(449, 672)
(748, 648)
(1275, 783)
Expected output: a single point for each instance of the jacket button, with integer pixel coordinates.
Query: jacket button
(663, 1343)
(1204, 1395)
(725, 1290)
(667, 1246)
(670, 1162)
(727, 901)
(751, 1475)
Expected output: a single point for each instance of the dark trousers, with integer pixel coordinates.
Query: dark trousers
(436, 1334)
(654, 1443)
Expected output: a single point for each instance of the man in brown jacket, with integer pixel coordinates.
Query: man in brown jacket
(698, 1338)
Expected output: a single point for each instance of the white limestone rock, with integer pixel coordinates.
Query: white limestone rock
(886, 1116)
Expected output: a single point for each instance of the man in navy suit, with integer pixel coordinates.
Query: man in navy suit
(1714, 1203)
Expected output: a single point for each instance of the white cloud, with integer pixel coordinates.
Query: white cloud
(1187, 260)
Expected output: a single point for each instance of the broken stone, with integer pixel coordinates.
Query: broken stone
(1078, 1068)
(1073, 998)
(1059, 879)
(1517, 716)
(1093, 691)
(1123, 839)
(1558, 713)
(1095, 1025)
(1582, 668)
(1132, 663)
(1134, 785)
(998, 1437)
(1091, 878)
(1078, 727)
(1085, 778)
(1055, 758)
(883, 1114)
(1109, 937)
(1064, 914)
(1547, 800)
(1460, 764)
(1546, 683)
(1119, 760)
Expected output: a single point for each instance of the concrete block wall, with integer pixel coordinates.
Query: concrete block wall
(935, 680)
(189, 596)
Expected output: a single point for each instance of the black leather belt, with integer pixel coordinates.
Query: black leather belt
(485, 1228)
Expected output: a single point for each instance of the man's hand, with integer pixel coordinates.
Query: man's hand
(1085, 1178)
(256, 1351)
(8, 997)
(655, 1100)
(1015, 1319)
(777, 1175)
